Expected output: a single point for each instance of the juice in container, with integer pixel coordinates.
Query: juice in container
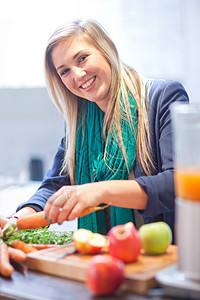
(187, 183)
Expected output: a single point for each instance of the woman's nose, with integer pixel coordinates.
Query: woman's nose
(78, 73)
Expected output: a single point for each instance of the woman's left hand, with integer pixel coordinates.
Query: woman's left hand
(69, 201)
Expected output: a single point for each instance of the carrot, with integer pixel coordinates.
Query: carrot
(6, 269)
(37, 220)
(16, 254)
(43, 246)
(22, 246)
(33, 221)
(89, 210)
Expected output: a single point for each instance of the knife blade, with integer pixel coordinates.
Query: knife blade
(68, 252)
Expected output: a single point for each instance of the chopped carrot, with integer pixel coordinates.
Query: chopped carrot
(6, 269)
(89, 210)
(43, 246)
(16, 254)
(33, 221)
(26, 248)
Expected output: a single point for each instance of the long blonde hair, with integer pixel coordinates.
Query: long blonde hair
(124, 79)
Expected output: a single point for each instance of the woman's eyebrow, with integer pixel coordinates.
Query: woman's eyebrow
(60, 67)
(77, 54)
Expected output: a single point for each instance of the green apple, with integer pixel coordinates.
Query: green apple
(155, 237)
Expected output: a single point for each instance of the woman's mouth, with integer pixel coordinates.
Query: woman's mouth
(88, 83)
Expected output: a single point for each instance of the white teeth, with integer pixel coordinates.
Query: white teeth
(88, 83)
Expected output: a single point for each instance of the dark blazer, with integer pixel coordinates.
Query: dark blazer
(160, 185)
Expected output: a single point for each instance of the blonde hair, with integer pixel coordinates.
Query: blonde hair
(124, 79)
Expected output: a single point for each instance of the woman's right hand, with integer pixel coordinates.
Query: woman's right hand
(5, 222)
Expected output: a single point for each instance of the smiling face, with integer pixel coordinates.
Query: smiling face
(83, 70)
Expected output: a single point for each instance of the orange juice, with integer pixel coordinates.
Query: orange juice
(187, 184)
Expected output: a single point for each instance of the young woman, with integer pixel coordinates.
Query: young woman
(118, 127)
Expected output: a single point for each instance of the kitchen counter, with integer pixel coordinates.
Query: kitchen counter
(32, 285)
(29, 285)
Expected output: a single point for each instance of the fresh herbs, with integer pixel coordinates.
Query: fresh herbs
(41, 236)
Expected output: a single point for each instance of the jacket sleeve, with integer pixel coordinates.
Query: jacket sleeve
(51, 183)
(160, 185)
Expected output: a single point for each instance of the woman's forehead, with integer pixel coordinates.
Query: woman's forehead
(74, 43)
(68, 48)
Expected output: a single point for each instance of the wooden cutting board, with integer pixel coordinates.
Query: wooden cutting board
(139, 276)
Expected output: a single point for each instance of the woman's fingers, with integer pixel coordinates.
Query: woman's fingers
(3, 222)
(75, 212)
(69, 201)
(69, 208)
(59, 204)
(52, 199)
(63, 215)
(56, 208)
(69, 204)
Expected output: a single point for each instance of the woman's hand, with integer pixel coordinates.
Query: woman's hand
(5, 222)
(69, 201)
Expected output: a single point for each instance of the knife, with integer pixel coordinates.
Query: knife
(68, 252)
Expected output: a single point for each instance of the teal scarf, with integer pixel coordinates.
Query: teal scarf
(92, 166)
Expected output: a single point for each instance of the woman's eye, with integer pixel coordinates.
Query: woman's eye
(63, 72)
(82, 58)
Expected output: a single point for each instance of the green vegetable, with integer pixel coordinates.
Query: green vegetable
(11, 229)
(41, 236)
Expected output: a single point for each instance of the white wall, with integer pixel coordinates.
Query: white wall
(30, 126)
(191, 25)
(160, 38)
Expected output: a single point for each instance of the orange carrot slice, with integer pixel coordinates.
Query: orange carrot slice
(89, 210)
(26, 248)
(43, 246)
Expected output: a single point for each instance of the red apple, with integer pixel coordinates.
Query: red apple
(125, 242)
(88, 242)
(104, 274)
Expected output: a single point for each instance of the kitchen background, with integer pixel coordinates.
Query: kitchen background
(159, 38)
